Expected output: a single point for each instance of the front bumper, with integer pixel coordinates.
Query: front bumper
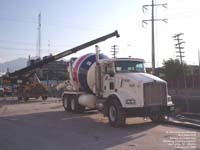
(150, 110)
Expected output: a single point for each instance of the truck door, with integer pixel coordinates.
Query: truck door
(108, 78)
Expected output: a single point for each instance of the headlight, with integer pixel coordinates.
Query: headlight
(131, 101)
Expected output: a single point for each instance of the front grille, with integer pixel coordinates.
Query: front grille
(155, 94)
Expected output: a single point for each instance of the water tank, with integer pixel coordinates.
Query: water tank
(83, 71)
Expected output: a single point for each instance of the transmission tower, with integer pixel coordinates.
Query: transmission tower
(114, 50)
(38, 45)
(179, 46)
(152, 20)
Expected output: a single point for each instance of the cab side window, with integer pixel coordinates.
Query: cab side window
(109, 69)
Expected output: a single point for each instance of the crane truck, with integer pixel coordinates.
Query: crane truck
(26, 78)
(118, 88)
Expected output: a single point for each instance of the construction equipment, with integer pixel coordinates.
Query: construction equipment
(28, 83)
(1, 92)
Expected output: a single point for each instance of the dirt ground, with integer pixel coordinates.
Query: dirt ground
(44, 125)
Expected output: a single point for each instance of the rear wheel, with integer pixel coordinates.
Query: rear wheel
(75, 106)
(116, 114)
(44, 98)
(67, 102)
(19, 98)
(25, 98)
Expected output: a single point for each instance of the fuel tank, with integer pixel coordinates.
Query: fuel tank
(83, 71)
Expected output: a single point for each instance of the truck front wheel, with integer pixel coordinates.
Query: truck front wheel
(26, 98)
(67, 102)
(116, 114)
(75, 106)
(44, 98)
(158, 118)
(19, 98)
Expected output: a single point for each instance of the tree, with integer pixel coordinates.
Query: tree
(173, 71)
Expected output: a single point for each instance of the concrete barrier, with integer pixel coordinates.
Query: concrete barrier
(190, 104)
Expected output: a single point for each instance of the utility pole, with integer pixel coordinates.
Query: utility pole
(49, 47)
(180, 53)
(199, 58)
(199, 66)
(152, 20)
(114, 50)
(179, 47)
(38, 46)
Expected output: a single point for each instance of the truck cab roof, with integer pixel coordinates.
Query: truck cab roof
(121, 59)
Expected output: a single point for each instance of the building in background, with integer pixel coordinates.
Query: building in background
(56, 70)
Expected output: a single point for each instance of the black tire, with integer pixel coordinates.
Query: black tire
(75, 106)
(158, 118)
(25, 98)
(19, 98)
(67, 102)
(44, 98)
(116, 114)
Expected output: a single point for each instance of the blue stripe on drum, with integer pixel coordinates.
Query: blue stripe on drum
(83, 70)
(83, 61)
(77, 64)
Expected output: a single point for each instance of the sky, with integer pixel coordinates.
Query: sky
(68, 23)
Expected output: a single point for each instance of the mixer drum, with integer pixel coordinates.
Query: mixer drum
(82, 73)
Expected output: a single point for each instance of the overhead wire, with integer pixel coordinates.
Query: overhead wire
(184, 14)
(71, 26)
(52, 24)
(4, 18)
(19, 49)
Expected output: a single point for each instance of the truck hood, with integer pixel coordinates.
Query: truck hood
(141, 77)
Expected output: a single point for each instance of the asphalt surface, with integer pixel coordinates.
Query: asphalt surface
(44, 125)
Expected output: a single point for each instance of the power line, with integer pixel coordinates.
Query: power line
(12, 48)
(56, 23)
(17, 20)
(188, 12)
(69, 26)
(16, 42)
(19, 49)
(152, 20)
(32, 44)
(15, 16)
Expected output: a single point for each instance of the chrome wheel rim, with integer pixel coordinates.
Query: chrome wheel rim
(73, 104)
(65, 102)
(112, 113)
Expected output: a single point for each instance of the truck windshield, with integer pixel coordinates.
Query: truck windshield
(129, 66)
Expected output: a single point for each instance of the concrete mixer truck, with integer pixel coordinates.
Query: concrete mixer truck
(119, 88)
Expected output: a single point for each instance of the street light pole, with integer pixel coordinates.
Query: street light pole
(153, 39)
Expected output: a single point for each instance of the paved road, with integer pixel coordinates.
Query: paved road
(43, 125)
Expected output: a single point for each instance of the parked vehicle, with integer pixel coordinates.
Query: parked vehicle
(7, 91)
(1, 91)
